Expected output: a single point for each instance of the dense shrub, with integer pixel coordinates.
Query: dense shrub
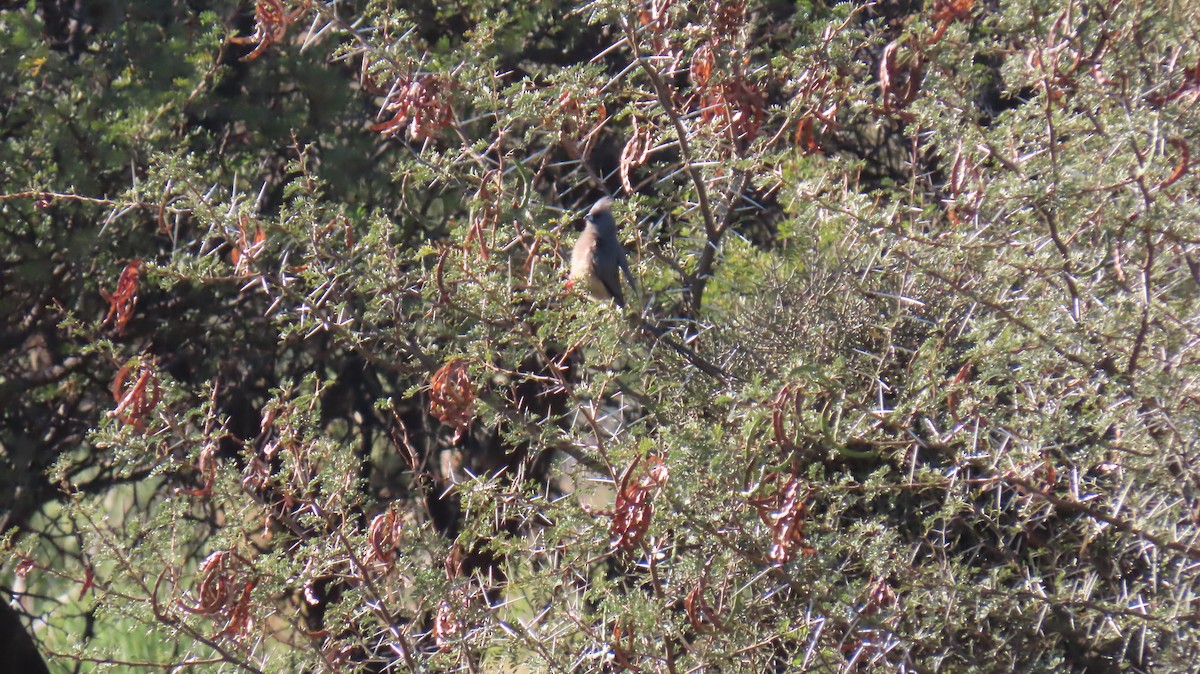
(293, 383)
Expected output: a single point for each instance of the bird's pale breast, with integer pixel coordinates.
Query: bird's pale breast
(583, 263)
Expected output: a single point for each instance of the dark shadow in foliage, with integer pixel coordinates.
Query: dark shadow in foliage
(18, 653)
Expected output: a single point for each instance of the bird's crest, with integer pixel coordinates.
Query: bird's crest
(602, 206)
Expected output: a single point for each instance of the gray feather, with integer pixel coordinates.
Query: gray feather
(599, 259)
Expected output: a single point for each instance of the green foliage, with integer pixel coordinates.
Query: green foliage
(910, 381)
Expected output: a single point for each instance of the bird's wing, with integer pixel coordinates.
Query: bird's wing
(610, 277)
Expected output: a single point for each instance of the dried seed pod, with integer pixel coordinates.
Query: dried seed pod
(634, 507)
(123, 300)
(223, 586)
(452, 396)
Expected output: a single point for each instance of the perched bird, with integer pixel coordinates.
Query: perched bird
(598, 256)
(597, 263)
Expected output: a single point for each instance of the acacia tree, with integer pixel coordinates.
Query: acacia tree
(910, 382)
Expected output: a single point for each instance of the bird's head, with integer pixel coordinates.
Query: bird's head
(601, 216)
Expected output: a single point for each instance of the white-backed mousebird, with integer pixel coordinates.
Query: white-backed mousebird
(597, 263)
(598, 258)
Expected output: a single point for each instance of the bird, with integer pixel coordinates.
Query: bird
(598, 258)
(597, 263)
